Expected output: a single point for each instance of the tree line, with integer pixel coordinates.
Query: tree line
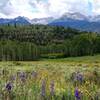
(33, 42)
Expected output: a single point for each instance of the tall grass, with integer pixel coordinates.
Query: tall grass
(49, 81)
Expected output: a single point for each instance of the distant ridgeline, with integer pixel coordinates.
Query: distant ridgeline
(32, 42)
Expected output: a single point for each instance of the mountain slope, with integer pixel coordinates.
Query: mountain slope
(78, 21)
(17, 20)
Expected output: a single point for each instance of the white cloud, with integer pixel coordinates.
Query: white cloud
(60, 6)
(43, 8)
(96, 6)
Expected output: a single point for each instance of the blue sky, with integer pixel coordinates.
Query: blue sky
(46, 8)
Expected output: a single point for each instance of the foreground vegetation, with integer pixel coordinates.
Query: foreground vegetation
(27, 43)
(58, 79)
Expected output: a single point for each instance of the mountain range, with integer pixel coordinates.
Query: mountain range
(78, 21)
(73, 20)
(17, 20)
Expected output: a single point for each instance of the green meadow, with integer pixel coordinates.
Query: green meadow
(74, 78)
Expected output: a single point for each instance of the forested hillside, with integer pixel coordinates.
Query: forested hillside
(33, 42)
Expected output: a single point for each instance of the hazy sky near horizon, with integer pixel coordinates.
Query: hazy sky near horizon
(46, 8)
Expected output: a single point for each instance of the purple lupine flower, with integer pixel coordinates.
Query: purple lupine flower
(43, 88)
(79, 77)
(22, 76)
(9, 86)
(52, 88)
(77, 94)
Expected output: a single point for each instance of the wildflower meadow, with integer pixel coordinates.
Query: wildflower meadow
(64, 79)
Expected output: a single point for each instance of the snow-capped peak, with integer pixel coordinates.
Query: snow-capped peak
(75, 16)
(42, 20)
